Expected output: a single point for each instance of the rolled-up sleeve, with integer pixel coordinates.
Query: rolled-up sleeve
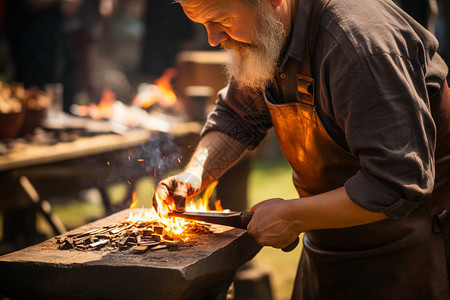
(242, 115)
(383, 107)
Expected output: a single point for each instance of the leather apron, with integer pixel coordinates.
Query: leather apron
(389, 259)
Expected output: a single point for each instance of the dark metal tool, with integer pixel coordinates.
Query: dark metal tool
(233, 219)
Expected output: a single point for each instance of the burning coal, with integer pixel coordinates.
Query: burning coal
(144, 229)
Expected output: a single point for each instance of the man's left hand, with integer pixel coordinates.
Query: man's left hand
(273, 223)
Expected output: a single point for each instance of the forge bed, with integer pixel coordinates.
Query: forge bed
(202, 267)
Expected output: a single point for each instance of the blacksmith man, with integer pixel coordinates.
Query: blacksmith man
(357, 96)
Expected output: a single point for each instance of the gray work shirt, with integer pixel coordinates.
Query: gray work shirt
(375, 70)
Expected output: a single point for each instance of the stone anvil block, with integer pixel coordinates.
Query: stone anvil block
(204, 263)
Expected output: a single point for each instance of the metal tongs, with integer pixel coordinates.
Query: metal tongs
(232, 219)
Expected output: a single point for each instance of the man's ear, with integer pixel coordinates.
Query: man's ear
(276, 3)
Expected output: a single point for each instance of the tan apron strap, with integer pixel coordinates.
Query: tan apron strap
(305, 80)
(440, 198)
(314, 23)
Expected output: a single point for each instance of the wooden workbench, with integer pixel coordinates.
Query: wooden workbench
(87, 162)
(31, 155)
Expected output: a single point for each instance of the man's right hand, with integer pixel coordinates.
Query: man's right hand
(215, 153)
(176, 189)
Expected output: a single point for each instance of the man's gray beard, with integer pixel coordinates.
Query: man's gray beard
(253, 66)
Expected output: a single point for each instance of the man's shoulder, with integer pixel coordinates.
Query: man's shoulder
(369, 27)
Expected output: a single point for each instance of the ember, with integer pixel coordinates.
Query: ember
(140, 236)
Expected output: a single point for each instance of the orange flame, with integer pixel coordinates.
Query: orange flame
(160, 92)
(173, 226)
(203, 203)
(83, 111)
(218, 205)
(105, 108)
(164, 83)
(135, 201)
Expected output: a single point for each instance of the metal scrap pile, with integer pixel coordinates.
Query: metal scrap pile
(139, 236)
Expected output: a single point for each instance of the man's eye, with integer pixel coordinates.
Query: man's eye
(227, 21)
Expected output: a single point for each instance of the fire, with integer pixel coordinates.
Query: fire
(202, 203)
(218, 205)
(160, 92)
(172, 225)
(135, 201)
(104, 110)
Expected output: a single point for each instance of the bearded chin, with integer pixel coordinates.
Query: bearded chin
(253, 66)
(250, 69)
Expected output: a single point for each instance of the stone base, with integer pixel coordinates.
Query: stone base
(44, 272)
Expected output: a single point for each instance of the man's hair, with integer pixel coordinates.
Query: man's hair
(250, 2)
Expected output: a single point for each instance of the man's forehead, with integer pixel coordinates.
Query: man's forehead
(192, 3)
(206, 9)
(198, 4)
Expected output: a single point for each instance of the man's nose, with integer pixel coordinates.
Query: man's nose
(215, 34)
